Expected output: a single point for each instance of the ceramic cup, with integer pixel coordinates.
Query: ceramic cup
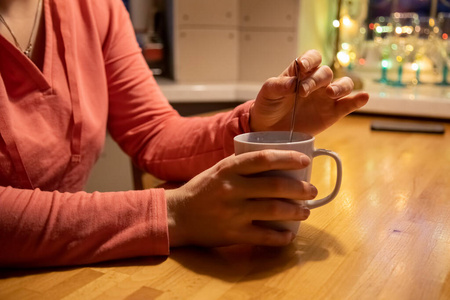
(301, 142)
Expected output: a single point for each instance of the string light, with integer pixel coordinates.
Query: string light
(344, 58)
(336, 23)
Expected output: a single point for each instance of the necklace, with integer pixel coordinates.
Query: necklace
(29, 47)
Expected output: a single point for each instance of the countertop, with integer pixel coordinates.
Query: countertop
(422, 100)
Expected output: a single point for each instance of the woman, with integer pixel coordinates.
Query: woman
(72, 69)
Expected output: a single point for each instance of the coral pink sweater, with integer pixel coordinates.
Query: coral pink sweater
(52, 130)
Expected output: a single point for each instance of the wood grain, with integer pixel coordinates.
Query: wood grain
(386, 236)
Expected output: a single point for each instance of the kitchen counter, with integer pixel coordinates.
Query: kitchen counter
(424, 100)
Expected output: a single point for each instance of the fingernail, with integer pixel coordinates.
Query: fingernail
(362, 101)
(305, 160)
(314, 191)
(305, 65)
(336, 90)
(305, 88)
(306, 212)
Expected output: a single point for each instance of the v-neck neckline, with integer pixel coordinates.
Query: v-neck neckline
(41, 77)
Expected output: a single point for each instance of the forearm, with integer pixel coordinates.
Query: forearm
(50, 228)
(188, 146)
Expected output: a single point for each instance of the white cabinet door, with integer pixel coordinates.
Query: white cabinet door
(207, 12)
(265, 54)
(207, 55)
(268, 13)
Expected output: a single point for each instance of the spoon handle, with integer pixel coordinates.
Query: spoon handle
(294, 108)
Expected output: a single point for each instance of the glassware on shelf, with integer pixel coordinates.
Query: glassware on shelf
(423, 51)
(382, 28)
(443, 42)
(403, 42)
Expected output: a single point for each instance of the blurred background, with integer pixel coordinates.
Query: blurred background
(213, 54)
(251, 40)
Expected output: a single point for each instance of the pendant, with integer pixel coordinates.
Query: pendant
(27, 51)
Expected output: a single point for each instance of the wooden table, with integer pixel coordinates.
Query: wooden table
(386, 236)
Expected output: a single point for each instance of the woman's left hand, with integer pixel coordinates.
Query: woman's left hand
(321, 102)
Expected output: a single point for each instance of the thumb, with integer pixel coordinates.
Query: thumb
(351, 103)
(276, 88)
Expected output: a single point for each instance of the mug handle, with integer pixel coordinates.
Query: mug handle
(317, 203)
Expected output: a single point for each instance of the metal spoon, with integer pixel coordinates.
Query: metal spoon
(294, 109)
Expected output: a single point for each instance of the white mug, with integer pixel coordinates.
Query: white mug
(301, 142)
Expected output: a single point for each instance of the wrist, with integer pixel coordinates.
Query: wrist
(176, 236)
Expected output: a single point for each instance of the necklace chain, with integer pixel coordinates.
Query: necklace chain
(29, 47)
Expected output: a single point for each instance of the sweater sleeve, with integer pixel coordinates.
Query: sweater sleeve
(80, 228)
(146, 126)
(187, 146)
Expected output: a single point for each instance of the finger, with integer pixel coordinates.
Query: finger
(309, 61)
(269, 159)
(321, 78)
(351, 103)
(340, 88)
(261, 236)
(276, 209)
(262, 186)
(278, 87)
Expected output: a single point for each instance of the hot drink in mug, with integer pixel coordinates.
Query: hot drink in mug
(301, 142)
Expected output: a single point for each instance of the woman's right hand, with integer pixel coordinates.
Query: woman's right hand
(217, 207)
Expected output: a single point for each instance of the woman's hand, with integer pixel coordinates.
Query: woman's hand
(321, 102)
(217, 207)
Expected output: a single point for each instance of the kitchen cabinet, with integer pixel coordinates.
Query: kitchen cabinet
(208, 55)
(207, 13)
(233, 41)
